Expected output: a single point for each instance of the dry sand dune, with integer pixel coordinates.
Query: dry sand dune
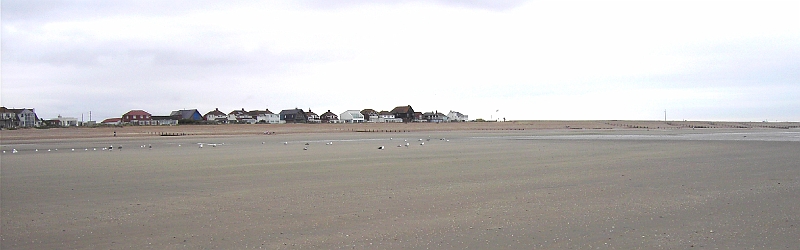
(492, 187)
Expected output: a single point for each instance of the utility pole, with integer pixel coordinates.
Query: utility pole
(665, 115)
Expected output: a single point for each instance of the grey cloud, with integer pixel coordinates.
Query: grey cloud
(498, 5)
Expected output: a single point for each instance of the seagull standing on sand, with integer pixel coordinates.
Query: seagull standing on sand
(305, 148)
(381, 147)
(286, 143)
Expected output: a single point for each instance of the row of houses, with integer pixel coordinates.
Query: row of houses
(15, 118)
(296, 115)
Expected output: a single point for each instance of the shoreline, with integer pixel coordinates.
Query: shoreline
(21, 135)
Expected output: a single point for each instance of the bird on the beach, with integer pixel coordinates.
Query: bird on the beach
(4, 151)
(14, 151)
(406, 144)
(262, 143)
(201, 145)
(305, 148)
(329, 143)
(73, 150)
(381, 147)
(306, 143)
(37, 150)
(95, 149)
(423, 143)
(86, 149)
(390, 138)
(286, 143)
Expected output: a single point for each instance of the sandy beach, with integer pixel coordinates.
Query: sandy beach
(558, 185)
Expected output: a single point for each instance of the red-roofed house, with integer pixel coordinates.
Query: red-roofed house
(137, 117)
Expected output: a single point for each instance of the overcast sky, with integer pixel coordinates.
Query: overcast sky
(575, 60)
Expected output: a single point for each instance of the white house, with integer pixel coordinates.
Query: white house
(351, 116)
(67, 121)
(265, 116)
(215, 115)
(386, 116)
(457, 116)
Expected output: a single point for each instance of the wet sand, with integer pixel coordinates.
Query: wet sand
(492, 189)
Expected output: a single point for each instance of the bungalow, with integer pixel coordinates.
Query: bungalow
(351, 116)
(217, 116)
(167, 120)
(293, 116)
(112, 121)
(312, 117)
(406, 113)
(329, 117)
(186, 114)
(454, 116)
(370, 115)
(137, 117)
(65, 121)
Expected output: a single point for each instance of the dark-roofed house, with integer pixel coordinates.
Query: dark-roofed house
(435, 117)
(137, 117)
(404, 112)
(312, 117)
(293, 116)
(8, 119)
(370, 115)
(329, 117)
(217, 116)
(186, 114)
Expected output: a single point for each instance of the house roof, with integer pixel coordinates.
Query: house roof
(291, 111)
(15, 111)
(401, 109)
(137, 112)
(384, 113)
(367, 112)
(112, 120)
(215, 112)
(185, 114)
(238, 112)
(329, 113)
(259, 112)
